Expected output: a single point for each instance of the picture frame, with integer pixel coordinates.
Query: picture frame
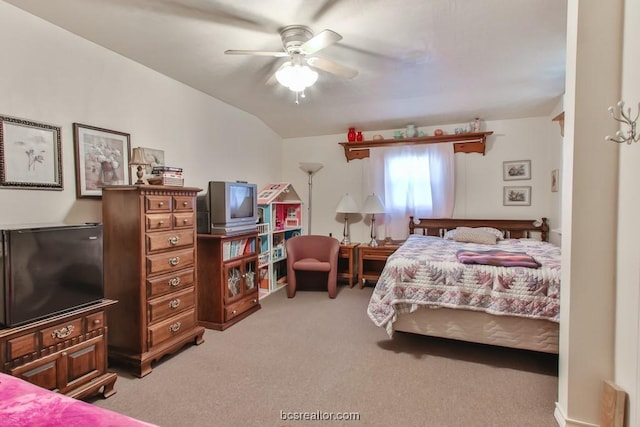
(555, 180)
(102, 158)
(514, 170)
(516, 196)
(154, 157)
(30, 155)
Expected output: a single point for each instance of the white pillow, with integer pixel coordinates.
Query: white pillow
(451, 233)
(475, 235)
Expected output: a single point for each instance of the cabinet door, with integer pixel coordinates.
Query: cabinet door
(233, 272)
(249, 276)
(68, 368)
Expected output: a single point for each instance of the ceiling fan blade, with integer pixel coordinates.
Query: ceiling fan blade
(320, 41)
(255, 53)
(332, 67)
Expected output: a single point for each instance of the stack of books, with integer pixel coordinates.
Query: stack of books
(166, 175)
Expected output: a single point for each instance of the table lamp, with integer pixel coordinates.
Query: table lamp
(346, 206)
(373, 205)
(139, 159)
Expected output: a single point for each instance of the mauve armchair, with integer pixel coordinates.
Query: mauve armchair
(313, 258)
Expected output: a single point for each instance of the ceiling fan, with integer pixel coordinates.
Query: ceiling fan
(299, 42)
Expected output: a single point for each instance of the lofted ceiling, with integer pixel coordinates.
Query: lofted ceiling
(428, 62)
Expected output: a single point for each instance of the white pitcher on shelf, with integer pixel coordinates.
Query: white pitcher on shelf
(411, 130)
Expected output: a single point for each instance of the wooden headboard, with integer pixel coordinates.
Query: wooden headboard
(512, 228)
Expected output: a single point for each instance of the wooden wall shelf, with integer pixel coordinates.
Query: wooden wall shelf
(463, 143)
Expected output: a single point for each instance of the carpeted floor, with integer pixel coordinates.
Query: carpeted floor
(310, 356)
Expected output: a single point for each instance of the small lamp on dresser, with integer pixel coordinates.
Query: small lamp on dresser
(139, 159)
(373, 205)
(346, 206)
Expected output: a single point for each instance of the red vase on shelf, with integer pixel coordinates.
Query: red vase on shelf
(351, 135)
(359, 136)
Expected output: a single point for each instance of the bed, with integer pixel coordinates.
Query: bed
(25, 404)
(433, 286)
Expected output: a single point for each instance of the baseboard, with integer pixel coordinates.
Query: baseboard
(563, 421)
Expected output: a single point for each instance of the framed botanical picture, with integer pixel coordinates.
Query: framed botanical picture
(30, 155)
(102, 158)
(555, 183)
(516, 196)
(154, 158)
(516, 169)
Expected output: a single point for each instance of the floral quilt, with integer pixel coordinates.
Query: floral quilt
(424, 271)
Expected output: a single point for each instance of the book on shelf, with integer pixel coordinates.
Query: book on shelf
(166, 169)
(168, 174)
(162, 180)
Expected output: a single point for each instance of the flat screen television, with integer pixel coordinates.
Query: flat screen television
(227, 207)
(48, 270)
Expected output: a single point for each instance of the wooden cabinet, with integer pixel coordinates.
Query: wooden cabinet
(371, 260)
(64, 353)
(347, 263)
(150, 268)
(227, 279)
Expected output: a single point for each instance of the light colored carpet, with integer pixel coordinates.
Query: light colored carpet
(311, 353)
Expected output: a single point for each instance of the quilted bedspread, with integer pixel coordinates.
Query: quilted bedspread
(23, 404)
(424, 271)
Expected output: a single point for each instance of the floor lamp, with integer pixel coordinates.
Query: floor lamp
(310, 169)
(373, 205)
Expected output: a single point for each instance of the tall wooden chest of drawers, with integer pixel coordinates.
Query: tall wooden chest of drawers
(150, 268)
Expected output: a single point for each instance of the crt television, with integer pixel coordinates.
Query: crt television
(227, 208)
(47, 270)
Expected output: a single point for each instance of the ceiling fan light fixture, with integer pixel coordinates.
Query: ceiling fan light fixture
(296, 77)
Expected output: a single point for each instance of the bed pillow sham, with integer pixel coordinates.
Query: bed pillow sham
(474, 235)
(451, 233)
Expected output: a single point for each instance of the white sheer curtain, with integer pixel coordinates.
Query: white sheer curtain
(416, 180)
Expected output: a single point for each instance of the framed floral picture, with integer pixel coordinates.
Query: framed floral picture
(30, 155)
(516, 169)
(516, 196)
(102, 158)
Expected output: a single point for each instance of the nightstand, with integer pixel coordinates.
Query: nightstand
(371, 259)
(347, 263)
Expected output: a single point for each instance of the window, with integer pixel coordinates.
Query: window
(412, 180)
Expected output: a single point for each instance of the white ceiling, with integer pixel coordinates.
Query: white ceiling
(424, 61)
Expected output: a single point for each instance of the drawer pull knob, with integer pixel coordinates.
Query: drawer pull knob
(173, 240)
(174, 303)
(97, 321)
(160, 204)
(174, 282)
(175, 327)
(185, 221)
(254, 301)
(185, 204)
(234, 311)
(174, 261)
(63, 332)
(161, 222)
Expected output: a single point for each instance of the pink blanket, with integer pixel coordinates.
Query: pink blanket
(497, 257)
(23, 404)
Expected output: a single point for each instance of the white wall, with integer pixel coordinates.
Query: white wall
(627, 332)
(479, 180)
(50, 75)
(590, 165)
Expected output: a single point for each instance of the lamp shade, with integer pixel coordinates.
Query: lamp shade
(373, 205)
(138, 157)
(311, 168)
(347, 205)
(296, 77)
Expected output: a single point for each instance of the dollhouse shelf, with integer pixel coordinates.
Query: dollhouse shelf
(463, 143)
